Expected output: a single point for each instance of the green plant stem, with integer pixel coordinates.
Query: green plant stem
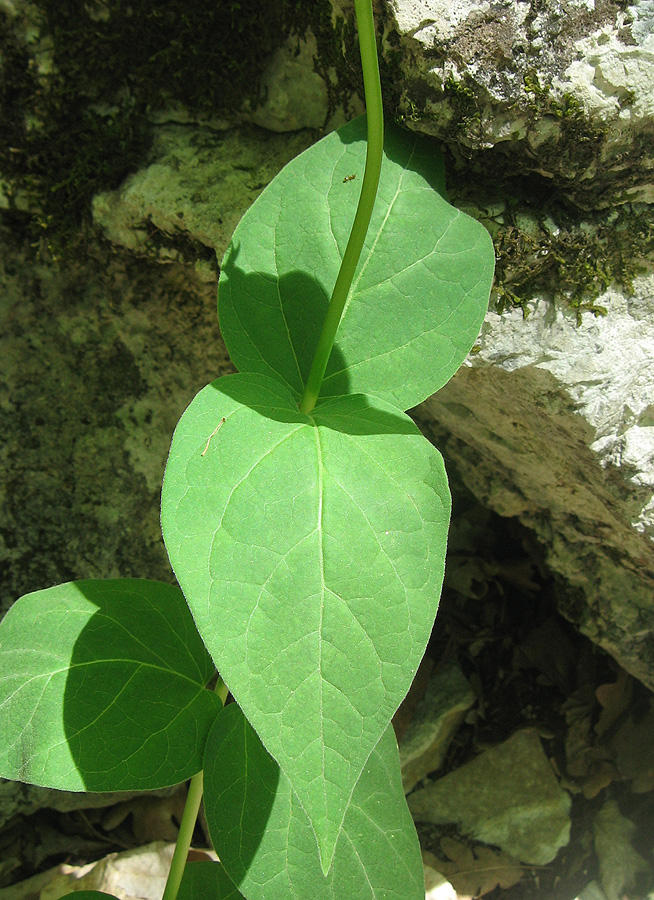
(189, 818)
(375, 123)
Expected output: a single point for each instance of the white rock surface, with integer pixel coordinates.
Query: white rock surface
(567, 90)
(552, 422)
(605, 364)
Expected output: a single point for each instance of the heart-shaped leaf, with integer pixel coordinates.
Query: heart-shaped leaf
(266, 843)
(421, 288)
(102, 687)
(311, 552)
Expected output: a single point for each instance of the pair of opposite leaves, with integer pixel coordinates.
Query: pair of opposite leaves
(310, 549)
(103, 687)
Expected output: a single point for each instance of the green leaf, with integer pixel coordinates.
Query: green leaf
(266, 843)
(421, 289)
(311, 552)
(207, 881)
(93, 895)
(102, 687)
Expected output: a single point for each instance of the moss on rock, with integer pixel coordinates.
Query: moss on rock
(79, 82)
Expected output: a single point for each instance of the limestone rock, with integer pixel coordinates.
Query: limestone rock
(619, 862)
(436, 720)
(198, 184)
(552, 422)
(295, 95)
(508, 796)
(564, 89)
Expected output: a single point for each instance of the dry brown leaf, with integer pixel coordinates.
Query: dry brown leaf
(614, 698)
(476, 872)
(154, 818)
(548, 649)
(633, 749)
(601, 775)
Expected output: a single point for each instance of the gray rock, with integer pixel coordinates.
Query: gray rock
(564, 89)
(295, 94)
(508, 796)
(197, 185)
(619, 862)
(551, 422)
(436, 720)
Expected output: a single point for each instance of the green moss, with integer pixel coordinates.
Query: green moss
(573, 265)
(462, 98)
(81, 127)
(337, 60)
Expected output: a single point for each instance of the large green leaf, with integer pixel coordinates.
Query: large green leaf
(311, 552)
(421, 288)
(264, 839)
(102, 687)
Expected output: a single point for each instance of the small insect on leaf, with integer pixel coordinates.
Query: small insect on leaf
(349, 178)
(206, 446)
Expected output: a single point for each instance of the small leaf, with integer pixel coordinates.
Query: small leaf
(311, 552)
(102, 687)
(91, 895)
(207, 881)
(266, 843)
(419, 295)
(480, 871)
(614, 699)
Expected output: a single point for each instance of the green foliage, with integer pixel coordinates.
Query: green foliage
(316, 605)
(274, 288)
(102, 686)
(92, 895)
(309, 548)
(574, 264)
(276, 857)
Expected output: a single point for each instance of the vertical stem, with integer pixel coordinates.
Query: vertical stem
(375, 123)
(189, 818)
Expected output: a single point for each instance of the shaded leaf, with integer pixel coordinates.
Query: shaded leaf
(153, 818)
(89, 895)
(207, 881)
(102, 687)
(614, 698)
(479, 871)
(311, 551)
(419, 295)
(266, 842)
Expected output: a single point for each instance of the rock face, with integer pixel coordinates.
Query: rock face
(563, 88)
(508, 796)
(552, 422)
